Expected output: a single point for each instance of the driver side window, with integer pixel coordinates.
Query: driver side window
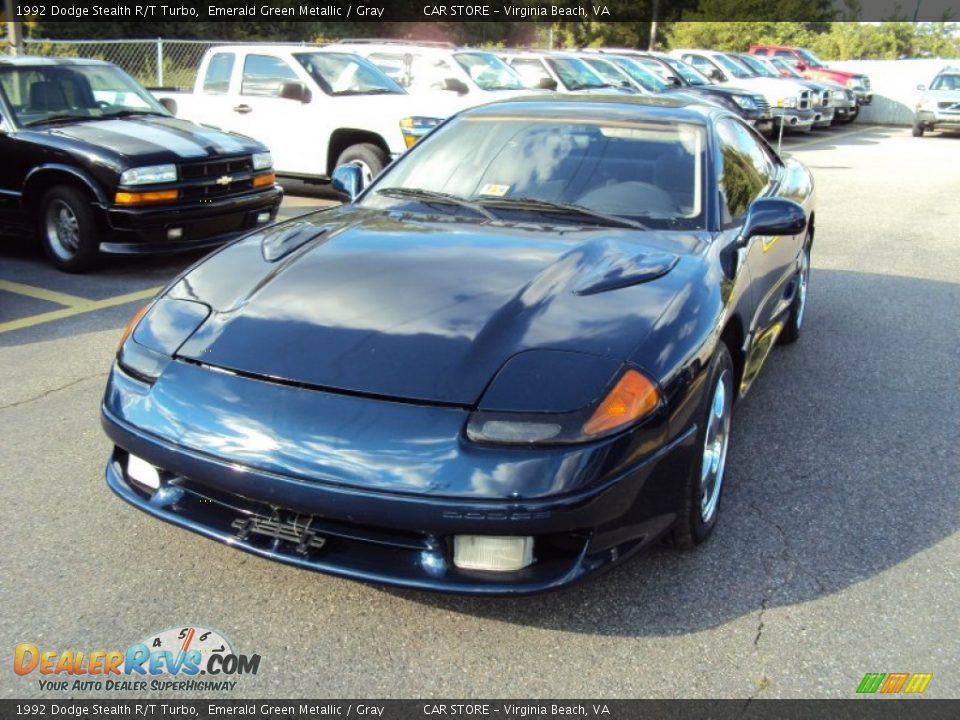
(747, 170)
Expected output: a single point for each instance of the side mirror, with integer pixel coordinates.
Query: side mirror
(675, 81)
(456, 85)
(801, 65)
(773, 216)
(716, 74)
(295, 91)
(921, 86)
(169, 104)
(547, 83)
(347, 182)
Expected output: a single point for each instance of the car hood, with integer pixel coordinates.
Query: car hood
(943, 95)
(437, 104)
(425, 309)
(154, 139)
(775, 88)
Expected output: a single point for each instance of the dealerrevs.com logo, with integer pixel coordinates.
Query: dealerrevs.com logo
(179, 659)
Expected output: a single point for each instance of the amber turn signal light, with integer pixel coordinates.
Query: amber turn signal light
(264, 180)
(132, 324)
(136, 198)
(631, 398)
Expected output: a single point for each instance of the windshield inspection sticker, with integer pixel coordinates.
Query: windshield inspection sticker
(492, 190)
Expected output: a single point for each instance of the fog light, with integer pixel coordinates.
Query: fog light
(174, 233)
(142, 472)
(485, 552)
(263, 217)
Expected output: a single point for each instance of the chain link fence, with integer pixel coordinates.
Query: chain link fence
(154, 63)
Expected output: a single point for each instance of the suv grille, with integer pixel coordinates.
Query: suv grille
(216, 178)
(804, 100)
(762, 105)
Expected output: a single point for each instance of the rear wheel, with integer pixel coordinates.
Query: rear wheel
(67, 229)
(791, 331)
(917, 129)
(704, 486)
(370, 158)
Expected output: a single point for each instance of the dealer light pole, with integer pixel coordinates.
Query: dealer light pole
(14, 29)
(653, 26)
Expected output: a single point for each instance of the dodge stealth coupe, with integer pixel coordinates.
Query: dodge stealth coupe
(506, 364)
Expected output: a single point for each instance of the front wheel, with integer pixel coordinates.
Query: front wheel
(370, 158)
(701, 503)
(67, 229)
(917, 129)
(791, 331)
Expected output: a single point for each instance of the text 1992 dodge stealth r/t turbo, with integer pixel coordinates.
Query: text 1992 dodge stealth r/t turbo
(505, 365)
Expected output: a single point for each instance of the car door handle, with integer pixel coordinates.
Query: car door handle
(243, 109)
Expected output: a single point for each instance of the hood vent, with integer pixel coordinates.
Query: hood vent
(621, 271)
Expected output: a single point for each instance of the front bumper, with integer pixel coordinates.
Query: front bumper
(391, 536)
(823, 117)
(794, 119)
(144, 229)
(938, 120)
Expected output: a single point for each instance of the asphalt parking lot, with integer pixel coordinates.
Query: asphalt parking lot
(837, 552)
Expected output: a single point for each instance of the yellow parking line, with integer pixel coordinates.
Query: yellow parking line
(78, 309)
(42, 293)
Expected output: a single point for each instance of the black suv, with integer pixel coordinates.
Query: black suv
(94, 162)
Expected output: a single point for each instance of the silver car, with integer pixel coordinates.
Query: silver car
(939, 106)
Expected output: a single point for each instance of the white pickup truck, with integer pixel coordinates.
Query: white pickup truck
(314, 108)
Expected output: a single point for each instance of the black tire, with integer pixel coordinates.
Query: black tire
(852, 116)
(694, 525)
(917, 129)
(794, 324)
(68, 229)
(369, 156)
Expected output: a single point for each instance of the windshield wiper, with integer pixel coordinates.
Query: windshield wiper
(428, 196)
(566, 208)
(128, 113)
(56, 118)
(371, 91)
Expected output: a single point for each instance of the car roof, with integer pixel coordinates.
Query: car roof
(28, 60)
(600, 107)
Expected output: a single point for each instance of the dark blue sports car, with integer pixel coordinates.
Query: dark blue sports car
(508, 363)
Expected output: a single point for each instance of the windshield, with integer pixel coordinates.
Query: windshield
(488, 71)
(946, 82)
(687, 72)
(607, 70)
(758, 66)
(642, 76)
(785, 66)
(810, 58)
(575, 74)
(735, 68)
(44, 93)
(515, 166)
(345, 74)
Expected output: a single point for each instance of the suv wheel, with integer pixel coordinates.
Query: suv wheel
(918, 129)
(370, 158)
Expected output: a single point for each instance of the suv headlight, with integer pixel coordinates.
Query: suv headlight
(790, 102)
(150, 175)
(262, 161)
(745, 102)
(414, 128)
(839, 95)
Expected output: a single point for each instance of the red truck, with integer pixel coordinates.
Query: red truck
(813, 68)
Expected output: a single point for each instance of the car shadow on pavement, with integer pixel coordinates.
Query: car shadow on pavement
(843, 465)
